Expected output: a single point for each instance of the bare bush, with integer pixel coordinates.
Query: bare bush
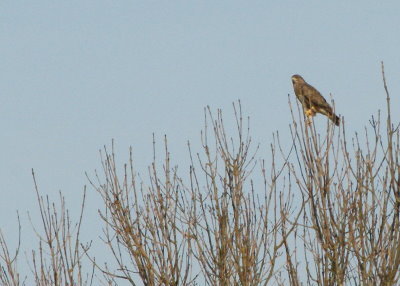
(58, 259)
(235, 229)
(9, 273)
(324, 212)
(350, 225)
(217, 222)
(142, 226)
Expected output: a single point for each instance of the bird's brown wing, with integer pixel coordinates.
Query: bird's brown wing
(317, 103)
(316, 100)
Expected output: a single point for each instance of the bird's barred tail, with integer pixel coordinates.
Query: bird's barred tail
(335, 119)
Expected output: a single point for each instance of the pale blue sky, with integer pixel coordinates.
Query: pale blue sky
(75, 74)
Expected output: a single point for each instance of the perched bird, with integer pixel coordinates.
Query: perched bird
(311, 100)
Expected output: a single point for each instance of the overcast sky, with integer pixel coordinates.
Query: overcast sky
(76, 74)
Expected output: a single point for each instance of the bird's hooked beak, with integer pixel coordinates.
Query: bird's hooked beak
(296, 79)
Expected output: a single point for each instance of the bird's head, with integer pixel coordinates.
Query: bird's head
(297, 78)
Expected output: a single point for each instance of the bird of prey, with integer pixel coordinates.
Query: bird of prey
(311, 100)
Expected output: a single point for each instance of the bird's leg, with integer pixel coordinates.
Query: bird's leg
(313, 111)
(309, 114)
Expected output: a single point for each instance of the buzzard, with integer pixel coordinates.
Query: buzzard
(311, 100)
